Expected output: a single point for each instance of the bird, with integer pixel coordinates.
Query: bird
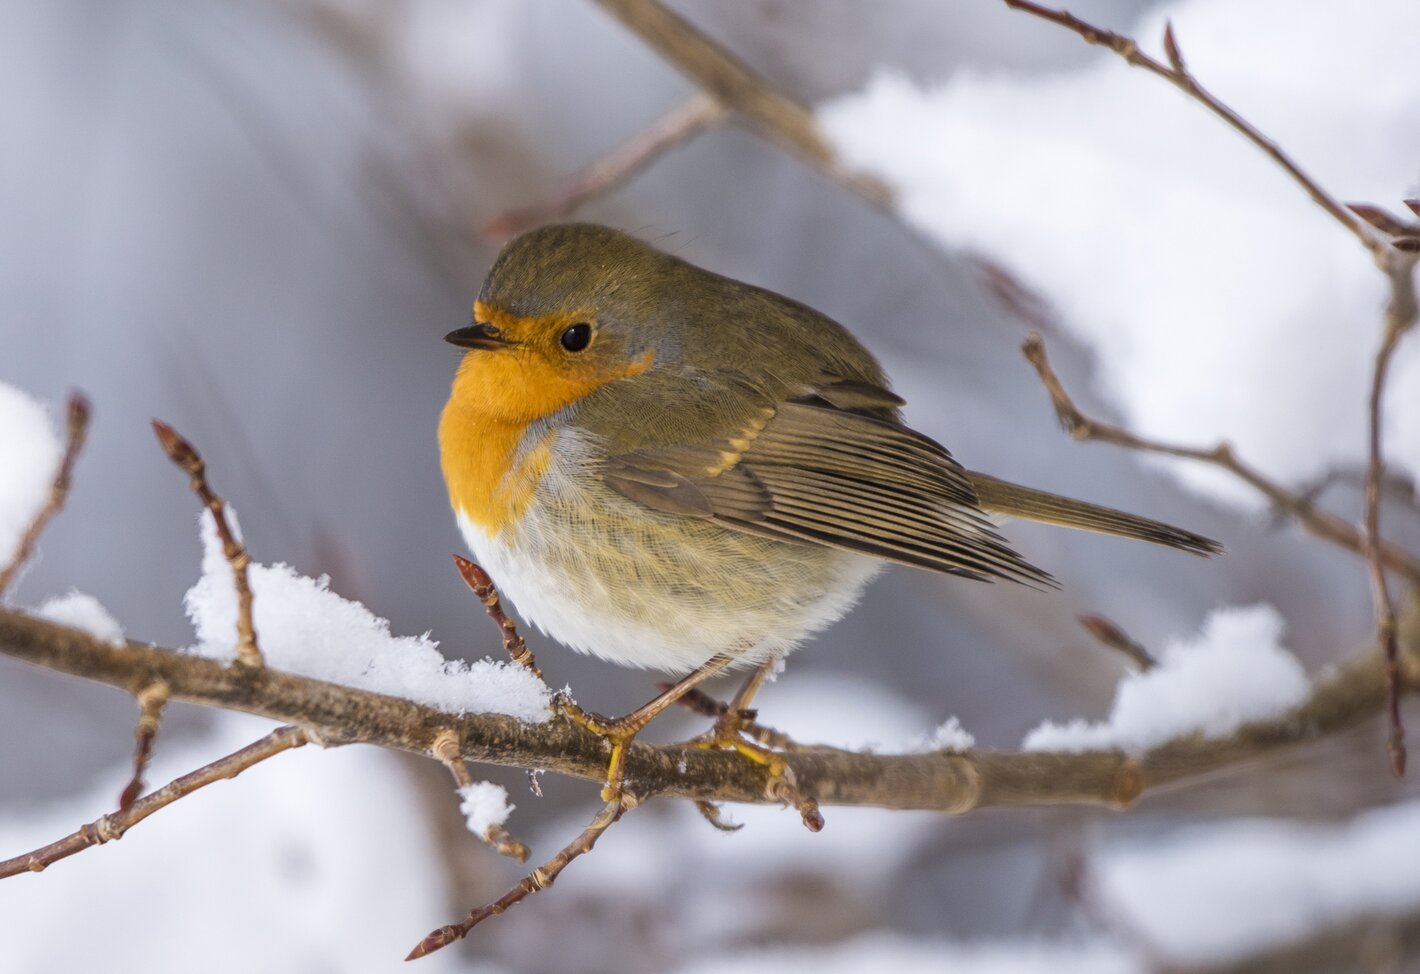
(674, 470)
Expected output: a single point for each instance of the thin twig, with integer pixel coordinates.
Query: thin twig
(1397, 487)
(151, 701)
(712, 814)
(700, 112)
(185, 455)
(110, 828)
(1320, 523)
(77, 420)
(446, 750)
(540, 878)
(778, 119)
(1179, 76)
(482, 586)
(1400, 317)
(1109, 633)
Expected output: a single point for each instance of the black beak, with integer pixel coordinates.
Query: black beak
(477, 335)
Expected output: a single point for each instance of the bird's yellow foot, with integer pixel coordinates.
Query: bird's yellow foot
(728, 733)
(619, 733)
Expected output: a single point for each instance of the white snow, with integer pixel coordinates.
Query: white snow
(303, 627)
(1234, 671)
(1212, 893)
(883, 952)
(1220, 301)
(84, 612)
(948, 736)
(30, 451)
(316, 860)
(484, 805)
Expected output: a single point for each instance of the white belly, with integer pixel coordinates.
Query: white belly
(604, 576)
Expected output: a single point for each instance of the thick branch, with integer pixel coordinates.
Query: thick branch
(944, 781)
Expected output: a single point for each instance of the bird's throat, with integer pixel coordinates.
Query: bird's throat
(490, 471)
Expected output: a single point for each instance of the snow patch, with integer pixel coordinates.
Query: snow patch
(82, 612)
(1209, 894)
(1234, 671)
(1220, 301)
(949, 736)
(484, 805)
(305, 628)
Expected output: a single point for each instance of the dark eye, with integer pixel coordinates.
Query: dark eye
(577, 337)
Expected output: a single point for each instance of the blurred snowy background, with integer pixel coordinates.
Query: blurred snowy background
(256, 219)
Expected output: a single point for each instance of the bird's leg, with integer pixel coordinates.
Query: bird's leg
(620, 731)
(728, 733)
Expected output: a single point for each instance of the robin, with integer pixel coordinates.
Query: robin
(673, 470)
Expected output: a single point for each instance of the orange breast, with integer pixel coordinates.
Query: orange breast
(490, 480)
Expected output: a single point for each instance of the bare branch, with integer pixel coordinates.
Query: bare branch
(540, 878)
(185, 455)
(613, 170)
(1400, 316)
(151, 701)
(77, 420)
(1391, 242)
(482, 586)
(110, 828)
(1109, 633)
(1323, 525)
(446, 751)
(1179, 76)
(778, 119)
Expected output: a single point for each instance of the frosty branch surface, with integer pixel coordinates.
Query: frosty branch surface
(951, 782)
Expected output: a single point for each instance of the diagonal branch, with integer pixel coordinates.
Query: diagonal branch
(111, 828)
(1393, 245)
(1320, 523)
(1178, 75)
(775, 117)
(185, 455)
(536, 881)
(619, 166)
(78, 425)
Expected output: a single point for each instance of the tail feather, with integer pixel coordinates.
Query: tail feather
(1013, 500)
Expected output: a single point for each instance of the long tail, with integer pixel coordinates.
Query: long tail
(1013, 500)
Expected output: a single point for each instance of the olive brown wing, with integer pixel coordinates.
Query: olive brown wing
(830, 469)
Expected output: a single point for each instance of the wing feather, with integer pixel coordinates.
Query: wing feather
(830, 469)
